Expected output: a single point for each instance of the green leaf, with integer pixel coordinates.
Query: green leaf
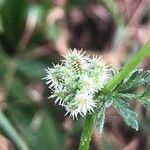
(13, 21)
(128, 115)
(31, 68)
(146, 93)
(100, 119)
(145, 98)
(127, 96)
(53, 31)
(100, 113)
(6, 125)
(136, 78)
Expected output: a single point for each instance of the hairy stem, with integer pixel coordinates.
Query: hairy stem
(130, 66)
(87, 132)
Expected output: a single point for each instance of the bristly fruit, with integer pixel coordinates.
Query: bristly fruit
(75, 81)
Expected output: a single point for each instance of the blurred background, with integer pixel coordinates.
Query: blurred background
(35, 33)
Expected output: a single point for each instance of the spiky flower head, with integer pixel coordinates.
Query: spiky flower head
(75, 81)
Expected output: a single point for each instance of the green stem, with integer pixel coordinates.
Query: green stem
(87, 132)
(11, 132)
(130, 66)
(90, 119)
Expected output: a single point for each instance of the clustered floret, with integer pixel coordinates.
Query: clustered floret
(75, 81)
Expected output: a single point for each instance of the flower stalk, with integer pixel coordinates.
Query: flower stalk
(110, 86)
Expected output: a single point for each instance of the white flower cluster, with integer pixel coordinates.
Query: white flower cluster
(75, 82)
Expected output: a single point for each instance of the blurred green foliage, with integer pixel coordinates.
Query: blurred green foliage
(24, 119)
